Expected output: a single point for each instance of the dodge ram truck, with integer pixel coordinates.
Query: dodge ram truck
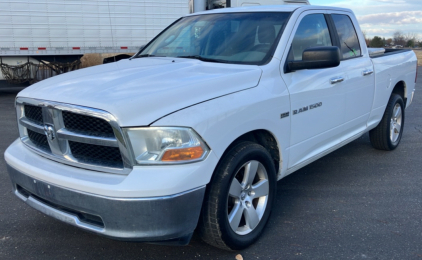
(193, 131)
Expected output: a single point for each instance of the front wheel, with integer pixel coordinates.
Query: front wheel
(387, 135)
(239, 198)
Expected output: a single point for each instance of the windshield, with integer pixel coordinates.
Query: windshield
(239, 38)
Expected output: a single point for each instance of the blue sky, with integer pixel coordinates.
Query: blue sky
(383, 17)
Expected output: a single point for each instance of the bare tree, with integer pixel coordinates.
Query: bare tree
(411, 36)
(399, 38)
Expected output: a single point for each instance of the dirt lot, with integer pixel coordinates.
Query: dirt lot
(419, 54)
(94, 59)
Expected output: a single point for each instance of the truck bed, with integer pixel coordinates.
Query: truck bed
(389, 52)
(392, 68)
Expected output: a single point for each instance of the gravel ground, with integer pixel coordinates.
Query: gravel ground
(419, 55)
(355, 203)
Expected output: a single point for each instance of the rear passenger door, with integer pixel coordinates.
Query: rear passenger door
(317, 105)
(360, 88)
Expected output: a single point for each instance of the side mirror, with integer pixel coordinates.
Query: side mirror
(316, 58)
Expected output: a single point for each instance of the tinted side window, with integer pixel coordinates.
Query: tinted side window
(312, 32)
(347, 35)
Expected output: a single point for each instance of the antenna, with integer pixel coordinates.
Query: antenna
(297, 2)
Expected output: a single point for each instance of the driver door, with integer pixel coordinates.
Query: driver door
(317, 103)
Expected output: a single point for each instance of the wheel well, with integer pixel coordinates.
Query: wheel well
(264, 138)
(400, 89)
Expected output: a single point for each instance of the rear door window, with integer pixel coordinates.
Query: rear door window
(349, 42)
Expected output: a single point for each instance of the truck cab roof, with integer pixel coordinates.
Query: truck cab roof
(270, 8)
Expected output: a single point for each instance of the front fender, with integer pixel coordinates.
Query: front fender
(221, 121)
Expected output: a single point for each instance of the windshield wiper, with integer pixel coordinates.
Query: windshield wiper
(201, 58)
(354, 53)
(148, 55)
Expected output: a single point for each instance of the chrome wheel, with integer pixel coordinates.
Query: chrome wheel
(396, 123)
(248, 197)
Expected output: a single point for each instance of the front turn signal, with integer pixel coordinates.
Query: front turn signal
(184, 154)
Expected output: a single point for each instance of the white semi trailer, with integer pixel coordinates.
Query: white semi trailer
(57, 33)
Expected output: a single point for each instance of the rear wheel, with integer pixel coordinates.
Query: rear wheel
(239, 198)
(387, 135)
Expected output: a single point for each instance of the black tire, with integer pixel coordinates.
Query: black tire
(214, 227)
(380, 135)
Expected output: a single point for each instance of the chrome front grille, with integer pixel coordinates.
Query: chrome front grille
(34, 114)
(87, 125)
(78, 136)
(102, 155)
(39, 140)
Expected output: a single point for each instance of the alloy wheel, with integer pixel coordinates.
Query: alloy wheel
(248, 197)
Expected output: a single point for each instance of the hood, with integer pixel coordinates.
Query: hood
(137, 92)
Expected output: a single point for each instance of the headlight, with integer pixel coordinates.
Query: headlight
(166, 145)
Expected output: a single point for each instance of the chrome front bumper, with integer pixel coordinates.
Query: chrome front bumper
(170, 219)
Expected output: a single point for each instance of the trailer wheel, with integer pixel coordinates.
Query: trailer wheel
(239, 198)
(387, 135)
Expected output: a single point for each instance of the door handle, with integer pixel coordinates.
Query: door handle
(367, 72)
(336, 80)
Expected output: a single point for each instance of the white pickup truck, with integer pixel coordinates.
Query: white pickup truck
(194, 130)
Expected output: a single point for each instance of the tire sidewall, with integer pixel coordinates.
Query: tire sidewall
(395, 99)
(230, 168)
